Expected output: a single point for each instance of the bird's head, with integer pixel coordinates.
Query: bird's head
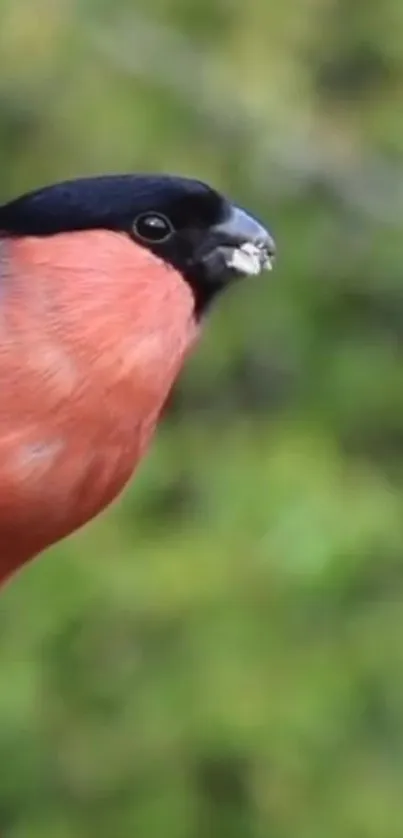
(183, 222)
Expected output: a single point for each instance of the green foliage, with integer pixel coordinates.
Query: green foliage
(221, 652)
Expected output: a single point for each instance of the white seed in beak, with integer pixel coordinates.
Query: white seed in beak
(247, 259)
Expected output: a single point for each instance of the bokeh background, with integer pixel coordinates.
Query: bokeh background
(222, 653)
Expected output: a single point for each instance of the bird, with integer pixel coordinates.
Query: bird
(105, 284)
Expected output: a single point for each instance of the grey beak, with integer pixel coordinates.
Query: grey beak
(240, 228)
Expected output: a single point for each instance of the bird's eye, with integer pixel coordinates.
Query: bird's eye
(152, 227)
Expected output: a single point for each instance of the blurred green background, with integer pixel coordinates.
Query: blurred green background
(221, 654)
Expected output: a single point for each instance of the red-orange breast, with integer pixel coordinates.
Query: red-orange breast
(103, 286)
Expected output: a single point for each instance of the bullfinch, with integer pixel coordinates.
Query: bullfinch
(104, 286)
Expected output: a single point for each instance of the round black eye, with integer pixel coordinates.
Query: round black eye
(153, 227)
